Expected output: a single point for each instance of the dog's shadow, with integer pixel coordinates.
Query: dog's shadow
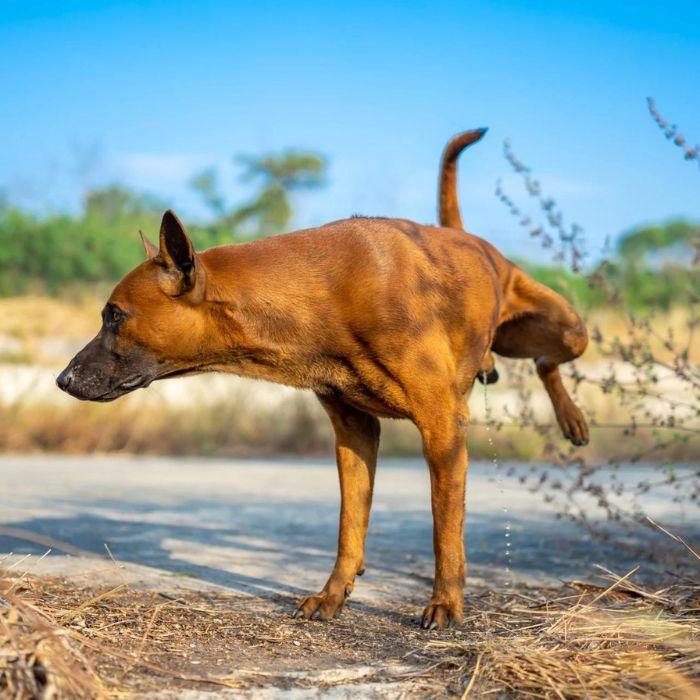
(296, 541)
(286, 550)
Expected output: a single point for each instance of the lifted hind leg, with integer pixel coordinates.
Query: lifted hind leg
(548, 330)
(569, 416)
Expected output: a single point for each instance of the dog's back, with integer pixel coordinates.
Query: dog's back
(324, 300)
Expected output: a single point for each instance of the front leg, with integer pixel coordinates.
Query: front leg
(356, 444)
(445, 448)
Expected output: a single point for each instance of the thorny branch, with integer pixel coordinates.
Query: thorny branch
(639, 359)
(672, 133)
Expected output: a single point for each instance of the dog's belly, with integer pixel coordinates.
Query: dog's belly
(362, 398)
(327, 376)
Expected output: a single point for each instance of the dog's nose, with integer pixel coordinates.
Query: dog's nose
(63, 381)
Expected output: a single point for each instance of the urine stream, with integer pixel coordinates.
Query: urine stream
(507, 550)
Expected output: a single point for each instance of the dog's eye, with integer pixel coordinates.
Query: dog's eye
(112, 316)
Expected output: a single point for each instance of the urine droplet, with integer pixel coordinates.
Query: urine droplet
(507, 555)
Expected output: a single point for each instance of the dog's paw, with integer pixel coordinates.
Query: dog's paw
(438, 616)
(322, 606)
(574, 425)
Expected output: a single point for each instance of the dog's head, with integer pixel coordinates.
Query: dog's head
(152, 325)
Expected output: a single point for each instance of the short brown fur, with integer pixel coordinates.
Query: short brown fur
(379, 317)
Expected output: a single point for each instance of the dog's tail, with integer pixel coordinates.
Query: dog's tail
(449, 206)
(450, 216)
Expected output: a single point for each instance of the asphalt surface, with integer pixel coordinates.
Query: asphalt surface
(265, 527)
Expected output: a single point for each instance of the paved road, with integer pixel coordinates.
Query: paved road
(263, 527)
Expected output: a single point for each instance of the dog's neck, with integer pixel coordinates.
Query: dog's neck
(266, 315)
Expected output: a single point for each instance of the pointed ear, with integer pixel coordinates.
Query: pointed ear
(150, 248)
(176, 249)
(180, 269)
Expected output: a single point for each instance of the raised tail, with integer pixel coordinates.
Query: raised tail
(449, 206)
(450, 216)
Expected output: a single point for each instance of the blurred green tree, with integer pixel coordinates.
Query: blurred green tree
(59, 251)
(270, 210)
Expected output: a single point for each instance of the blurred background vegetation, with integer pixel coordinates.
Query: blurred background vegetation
(60, 252)
(638, 379)
(650, 265)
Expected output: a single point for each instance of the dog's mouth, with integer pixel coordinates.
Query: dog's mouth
(86, 385)
(139, 382)
(125, 387)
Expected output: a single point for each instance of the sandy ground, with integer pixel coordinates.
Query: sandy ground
(264, 532)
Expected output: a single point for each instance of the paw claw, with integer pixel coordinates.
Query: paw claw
(573, 424)
(323, 606)
(438, 616)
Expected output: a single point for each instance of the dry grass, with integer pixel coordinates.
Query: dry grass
(38, 657)
(230, 427)
(31, 320)
(297, 426)
(65, 639)
(48, 651)
(596, 642)
(664, 325)
(61, 639)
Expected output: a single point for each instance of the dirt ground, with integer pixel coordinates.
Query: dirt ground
(245, 645)
(60, 639)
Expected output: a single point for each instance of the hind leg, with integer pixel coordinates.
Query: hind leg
(443, 428)
(569, 416)
(548, 330)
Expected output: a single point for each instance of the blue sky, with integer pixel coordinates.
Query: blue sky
(151, 92)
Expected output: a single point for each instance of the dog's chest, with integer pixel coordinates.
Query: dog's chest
(324, 374)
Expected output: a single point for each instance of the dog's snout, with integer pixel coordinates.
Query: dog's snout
(63, 381)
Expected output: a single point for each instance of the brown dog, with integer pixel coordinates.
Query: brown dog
(379, 317)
